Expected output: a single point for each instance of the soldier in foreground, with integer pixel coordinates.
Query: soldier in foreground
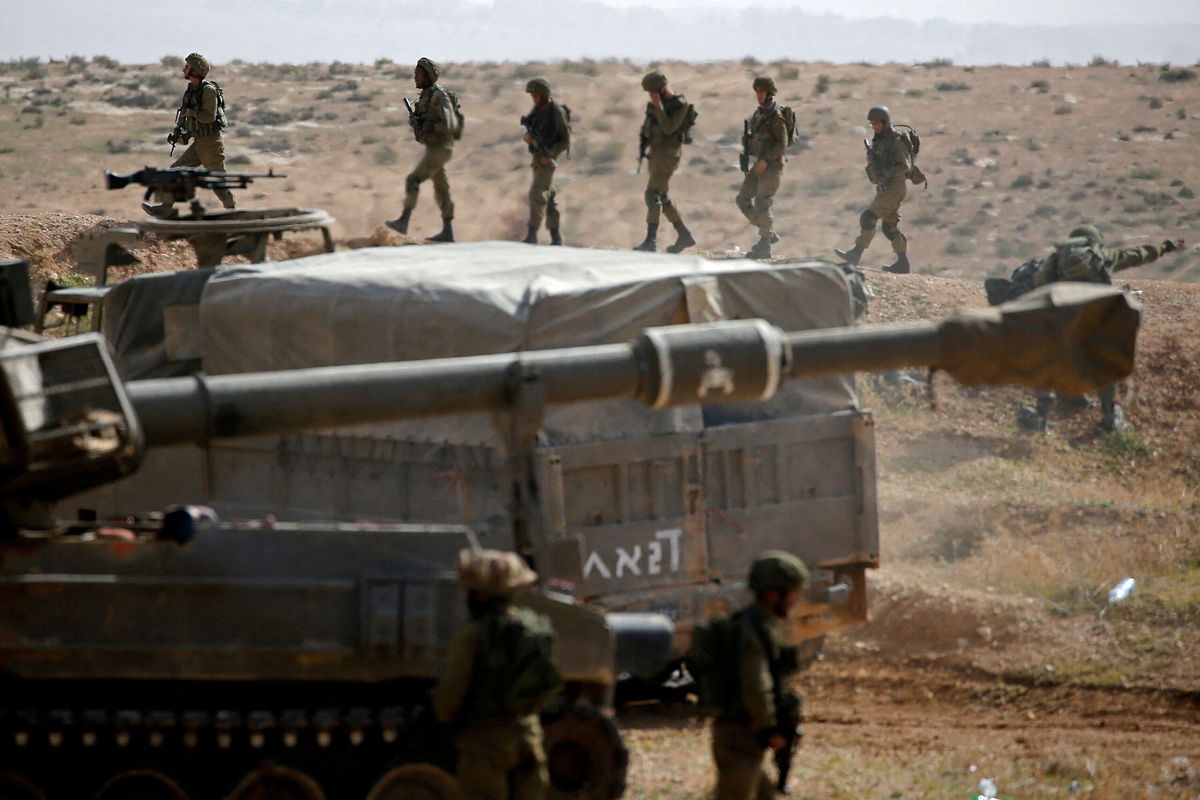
(499, 674)
(663, 134)
(765, 141)
(200, 119)
(746, 664)
(1083, 257)
(548, 134)
(435, 125)
(889, 164)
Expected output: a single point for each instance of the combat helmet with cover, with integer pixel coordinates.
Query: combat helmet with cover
(431, 68)
(199, 64)
(494, 572)
(767, 84)
(538, 86)
(1081, 256)
(776, 570)
(879, 114)
(653, 81)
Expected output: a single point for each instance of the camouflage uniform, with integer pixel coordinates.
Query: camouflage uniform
(890, 164)
(202, 114)
(551, 128)
(1110, 260)
(434, 128)
(500, 754)
(768, 140)
(737, 736)
(663, 136)
(743, 726)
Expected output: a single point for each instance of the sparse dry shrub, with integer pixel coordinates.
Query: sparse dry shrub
(1040, 86)
(1176, 75)
(1064, 108)
(171, 62)
(266, 116)
(1022, 181)
(104, 62)
(822, 84)
(951, 86)
(384, 156)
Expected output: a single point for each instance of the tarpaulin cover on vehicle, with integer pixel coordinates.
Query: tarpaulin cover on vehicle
(406, 303)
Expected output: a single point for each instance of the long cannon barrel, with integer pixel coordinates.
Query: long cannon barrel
(1072, 338)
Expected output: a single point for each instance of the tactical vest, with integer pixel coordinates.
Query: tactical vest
(193, 101)
(436, 126)
(761, 139)
(654, 132)
(883, 151)
(545, 122)
(514, 673)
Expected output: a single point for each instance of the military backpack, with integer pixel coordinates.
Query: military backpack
(912, 140)
(712, 662)
(518, 662)
(689, 121)
(1080, 259)
(459, 119)
(789, 122)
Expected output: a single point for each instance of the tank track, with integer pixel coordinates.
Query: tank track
(71, 751)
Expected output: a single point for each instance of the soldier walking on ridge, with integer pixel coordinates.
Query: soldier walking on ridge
(434, 124)
(664, 132)
(200, 120)
(889, 164)
(548, 134)
(500, 672)
(764, 141)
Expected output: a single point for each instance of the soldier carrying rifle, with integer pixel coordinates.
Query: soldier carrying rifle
(548, 134)
(198, 124)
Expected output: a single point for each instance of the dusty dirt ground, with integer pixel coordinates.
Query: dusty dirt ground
(991, 652)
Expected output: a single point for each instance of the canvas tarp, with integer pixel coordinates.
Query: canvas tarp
(400, 304)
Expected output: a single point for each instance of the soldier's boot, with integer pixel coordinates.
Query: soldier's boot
(531, 237)
(446, 234)
(850, 256)
(161, 211)
(683, 239)
(1114, 417)
(761, 249)
(899, 266)
(650, 243)
(400, 223)
(555, 237)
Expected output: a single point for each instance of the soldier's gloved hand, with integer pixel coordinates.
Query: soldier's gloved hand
(1172, 244)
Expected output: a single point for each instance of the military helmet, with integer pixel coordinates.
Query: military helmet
(653, 81)
(431, 69)
(1089, 232)
(766, 84)
(777, 569)
(538, 86)
(881, 114)
(198, 63)
(496, 572)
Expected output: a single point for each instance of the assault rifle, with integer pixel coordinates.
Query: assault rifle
(875, 166)
(744, 156)
(538, 142)
(180, 134)
(180, 183)
(643, 143)
(414, 121)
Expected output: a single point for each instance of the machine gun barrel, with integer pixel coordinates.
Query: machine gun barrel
(1072, 338)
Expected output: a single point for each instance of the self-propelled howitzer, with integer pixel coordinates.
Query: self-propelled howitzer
(198, 649)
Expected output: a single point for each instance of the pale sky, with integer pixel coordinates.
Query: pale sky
(298, 31)
(1015, 12)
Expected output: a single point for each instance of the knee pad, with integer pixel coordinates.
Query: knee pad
(653, 198)
(891, 230)
(745, 203)
(412, 183)
(867, 220)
